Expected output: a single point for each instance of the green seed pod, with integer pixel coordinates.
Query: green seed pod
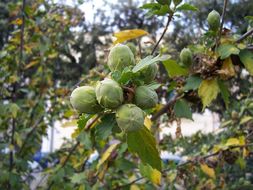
(148, 73)
(120, 57)
(109, 94)
(213, 20)
(145, 97)
(186, 57)
(132, 47)
(83, 99)
(129, 117)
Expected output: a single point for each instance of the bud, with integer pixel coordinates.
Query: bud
(186, 57)
(120, 57)
(213, 20)
(109, 93)
(129, 117)
(145, 97)
(83, 99)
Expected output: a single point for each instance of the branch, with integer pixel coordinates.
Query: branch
(166, 107)
(222, 22)
(244, 36)
(186, 163)
(170, 16)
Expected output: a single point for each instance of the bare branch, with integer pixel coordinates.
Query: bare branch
(244, 36)
(170, 16)
(222, 22)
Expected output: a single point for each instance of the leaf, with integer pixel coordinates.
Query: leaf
(192, 83)
(177, 2)
(143, 143)
(186, 7)
(182, 109)
(225, 50)
(245, 119)
(85, 139)
(164, 2)
(18, 21)
(207, 170)
(107, 154)
(125, 35)
(148, 61)
(227, 70)
(152, 174)
(241, 162)
(14, 109)
(246, 58)
(104, 129)
(208, 91)
(148, 123)
(173, 69)
(224, 92)
(32, 63)
(78, 178)
(232, 142)
(71, 123)
(154, 86)
(82, 121)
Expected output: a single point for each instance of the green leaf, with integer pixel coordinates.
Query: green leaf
(143, 143)
(225, 50)
(173, 69)
(164, 2)
(154, 86)
(124, 164)
(14, 110)
(186, 7)
(148, 61)
(177, 2)
(246, 58)
(152, 174)
(83, 119)
(208, 91)
(182, 109)
(85, 139)
(192, 83)
(78, 178)
(224, 92)
(104, 129)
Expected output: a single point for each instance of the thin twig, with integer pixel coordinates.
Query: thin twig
(139, 48)
(244, 36)
(170, 16)
(222, 22)
(166, 107)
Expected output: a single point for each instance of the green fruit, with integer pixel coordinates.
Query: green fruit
(145, 97)
(83, 99)
(129, 117)
(148, 73)
(186, 57)
(109, 94)
(132, 47)
(213, 20)
(120, 57)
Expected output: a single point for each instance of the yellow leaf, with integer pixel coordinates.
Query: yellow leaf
(208, 91)
(125, 35)
(156, 177)
(134, 187)
(207, 170)
(106, 154)
(232, 142)
(32, 63)
(227, 69)
(245, 153)
(71, 123)
(18, 21)
(148, 123)
(76, 133)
